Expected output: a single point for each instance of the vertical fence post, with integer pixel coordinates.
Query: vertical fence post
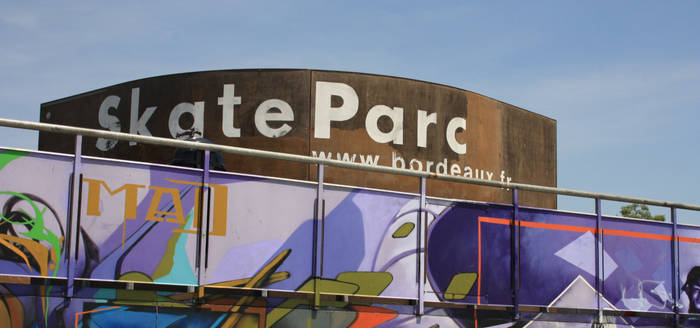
(421, 251)
(675, 274)
(598, 239)
(202, 228)
(515, 256)
(73, 233)
(317, 260)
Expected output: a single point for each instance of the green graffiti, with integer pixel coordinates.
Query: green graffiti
(349, 283)
(323, 285)
(404, 230)
(460, 285)
(370, 283)
(175, 266)
(38, 231)
(9, 155)
(166, 264)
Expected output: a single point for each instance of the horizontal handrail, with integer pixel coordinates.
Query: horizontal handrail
(159, 141)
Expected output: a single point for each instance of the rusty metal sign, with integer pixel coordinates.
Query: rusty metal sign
(363, 118)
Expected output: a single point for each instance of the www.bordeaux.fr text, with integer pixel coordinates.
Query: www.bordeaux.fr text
(441, 167)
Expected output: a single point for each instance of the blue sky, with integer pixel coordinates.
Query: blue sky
(622, 78)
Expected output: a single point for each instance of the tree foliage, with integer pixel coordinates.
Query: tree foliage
(640, 211)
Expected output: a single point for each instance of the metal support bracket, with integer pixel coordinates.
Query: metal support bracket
(203, 224)
(73, 234)
(421, 250)
(515, 256)
(598, 261)
(317, 260)
(675, 276)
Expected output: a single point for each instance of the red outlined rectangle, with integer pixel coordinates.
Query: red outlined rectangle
(564, 227)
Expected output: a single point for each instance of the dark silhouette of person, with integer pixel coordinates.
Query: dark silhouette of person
(195, 158)
(692, 289)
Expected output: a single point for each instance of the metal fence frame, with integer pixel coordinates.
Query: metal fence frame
(418, 303)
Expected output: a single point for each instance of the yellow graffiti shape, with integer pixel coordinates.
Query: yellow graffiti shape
(11, 312)
(35, 249)
(255, 282)
(176, 217)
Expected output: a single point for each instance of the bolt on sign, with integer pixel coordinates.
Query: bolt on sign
(361, 118)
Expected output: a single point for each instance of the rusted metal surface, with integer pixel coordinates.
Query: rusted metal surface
(502, 141)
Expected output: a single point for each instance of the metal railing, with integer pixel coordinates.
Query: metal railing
(159, 141)
(418, 302)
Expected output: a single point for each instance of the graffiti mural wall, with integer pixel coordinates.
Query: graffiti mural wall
(180, 229)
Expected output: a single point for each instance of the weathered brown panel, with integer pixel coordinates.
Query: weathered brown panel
(166, 92)
(531, 153)
(499, 138)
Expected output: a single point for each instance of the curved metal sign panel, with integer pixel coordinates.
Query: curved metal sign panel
(371, 119)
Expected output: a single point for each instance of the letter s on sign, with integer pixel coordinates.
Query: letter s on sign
(108, 121)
